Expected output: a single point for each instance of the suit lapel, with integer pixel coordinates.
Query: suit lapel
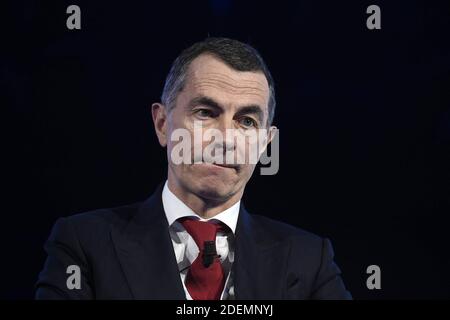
(146, 253)
(259, 261)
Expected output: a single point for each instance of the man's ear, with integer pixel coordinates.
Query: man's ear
(159, 116)
(271, 132)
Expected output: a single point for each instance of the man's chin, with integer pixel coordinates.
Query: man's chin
(216, 192)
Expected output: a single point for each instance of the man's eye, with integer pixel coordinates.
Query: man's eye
(248, 122)
(204, 113)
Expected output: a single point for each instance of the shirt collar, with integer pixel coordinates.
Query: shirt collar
(174, 209)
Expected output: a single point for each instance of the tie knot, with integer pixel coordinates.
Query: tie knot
(201, 231)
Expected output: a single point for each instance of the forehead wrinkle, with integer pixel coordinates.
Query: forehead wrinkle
(230, 80)
(230, 89)
(202, 77)
(224, 82)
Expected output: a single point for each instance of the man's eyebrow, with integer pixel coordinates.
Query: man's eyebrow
(209, 102)
(252, 109)
(205, 101)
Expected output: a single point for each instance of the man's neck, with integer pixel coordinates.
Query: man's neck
(205, 208)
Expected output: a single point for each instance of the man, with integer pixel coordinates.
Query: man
(193, 238)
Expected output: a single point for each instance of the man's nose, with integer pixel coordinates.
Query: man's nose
(226, 126)
(224, 122)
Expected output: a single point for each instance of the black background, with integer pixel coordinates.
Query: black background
(364, 119)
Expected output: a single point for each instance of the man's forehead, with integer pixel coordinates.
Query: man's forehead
(208, 73)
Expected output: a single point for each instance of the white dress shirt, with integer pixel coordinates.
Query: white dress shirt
(186, 250)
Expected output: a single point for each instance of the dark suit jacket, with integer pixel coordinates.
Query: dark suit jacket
(127, 253)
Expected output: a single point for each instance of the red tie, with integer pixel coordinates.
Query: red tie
(204, 281)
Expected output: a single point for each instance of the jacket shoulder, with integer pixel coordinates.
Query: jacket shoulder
(286, 232)
(94, 221)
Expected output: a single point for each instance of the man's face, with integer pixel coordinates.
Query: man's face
(219, 98)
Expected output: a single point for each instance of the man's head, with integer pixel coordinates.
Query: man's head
(224, 84)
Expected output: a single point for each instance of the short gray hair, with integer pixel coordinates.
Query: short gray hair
(237, 55)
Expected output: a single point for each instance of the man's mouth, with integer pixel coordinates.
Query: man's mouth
(222, 165)
(225, 165)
